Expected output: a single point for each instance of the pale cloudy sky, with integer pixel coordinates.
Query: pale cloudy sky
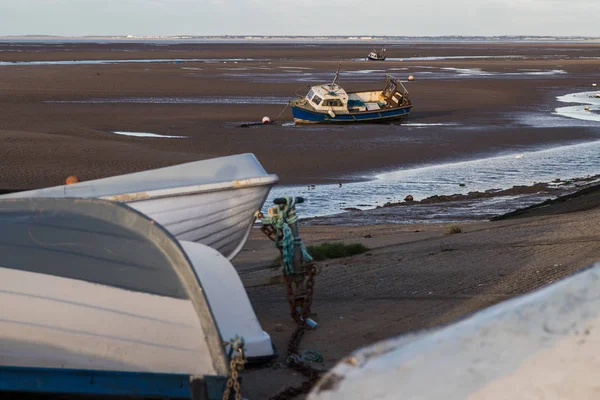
(300, 17)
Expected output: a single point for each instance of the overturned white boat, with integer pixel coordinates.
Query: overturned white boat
(95, 298)
(210, 202)
(544, 345)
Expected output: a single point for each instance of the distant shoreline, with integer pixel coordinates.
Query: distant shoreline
(285, 38)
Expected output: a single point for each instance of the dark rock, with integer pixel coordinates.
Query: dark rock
(409, 198)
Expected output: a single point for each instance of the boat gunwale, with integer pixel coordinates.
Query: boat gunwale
(146, 195)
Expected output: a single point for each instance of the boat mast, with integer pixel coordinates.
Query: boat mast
(337, 74)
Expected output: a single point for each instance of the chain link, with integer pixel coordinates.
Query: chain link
(294, 359)
(236, 364)
(303, 302)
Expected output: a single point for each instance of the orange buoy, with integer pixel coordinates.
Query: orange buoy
(411, 78)
(72, 179)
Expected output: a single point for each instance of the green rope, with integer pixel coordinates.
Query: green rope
(312, 355)
(286, 216)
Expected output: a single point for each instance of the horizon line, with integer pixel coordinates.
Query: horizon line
(248, 36)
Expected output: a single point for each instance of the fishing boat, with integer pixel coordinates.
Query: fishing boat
(210, 202)
(330, 103)
(97, 299)
(543, 345)
(377, 55)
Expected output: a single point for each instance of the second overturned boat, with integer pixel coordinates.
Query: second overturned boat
(210, 202)
(97, 299)
(330, 103)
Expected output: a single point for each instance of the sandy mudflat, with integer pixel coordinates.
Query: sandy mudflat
(45, 137)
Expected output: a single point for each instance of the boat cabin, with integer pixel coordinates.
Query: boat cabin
(333, 99)
(328, 98)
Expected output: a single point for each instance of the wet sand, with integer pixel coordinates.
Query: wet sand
(46, 141)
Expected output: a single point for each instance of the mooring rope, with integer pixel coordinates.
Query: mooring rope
(286, 216)
(282, 111)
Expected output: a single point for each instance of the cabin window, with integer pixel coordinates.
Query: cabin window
(333, 103)
(317, 100)
(310, 94)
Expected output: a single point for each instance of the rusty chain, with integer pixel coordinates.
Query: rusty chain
(236, 364)
(304, 302)
(294, 360)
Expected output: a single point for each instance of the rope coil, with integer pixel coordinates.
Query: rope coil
(284, 239)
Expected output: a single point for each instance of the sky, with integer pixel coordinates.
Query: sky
(300, 17)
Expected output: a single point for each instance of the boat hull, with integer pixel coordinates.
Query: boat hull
(304, 116)
(220, 219)
(84, 327)
(93, 289)
(223, 287)
(211, 202)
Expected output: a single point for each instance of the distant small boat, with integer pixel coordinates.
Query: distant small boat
(210, 202)
(377, 55)
(330, 103)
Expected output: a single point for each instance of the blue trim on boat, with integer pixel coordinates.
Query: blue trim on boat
(108, 383)
(305, 115)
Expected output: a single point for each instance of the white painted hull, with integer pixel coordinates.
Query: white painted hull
(210, 202)
(220, 219)
(542, 345)
(228, 300)
(48, 321)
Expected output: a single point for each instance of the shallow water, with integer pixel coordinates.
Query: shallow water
(501, 171)
(498, 57)
(586, 100)
(96, 62)
(182, 100)
(363, 75)
(146, 134)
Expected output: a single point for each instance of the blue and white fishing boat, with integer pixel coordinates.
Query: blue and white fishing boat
(331, 103)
